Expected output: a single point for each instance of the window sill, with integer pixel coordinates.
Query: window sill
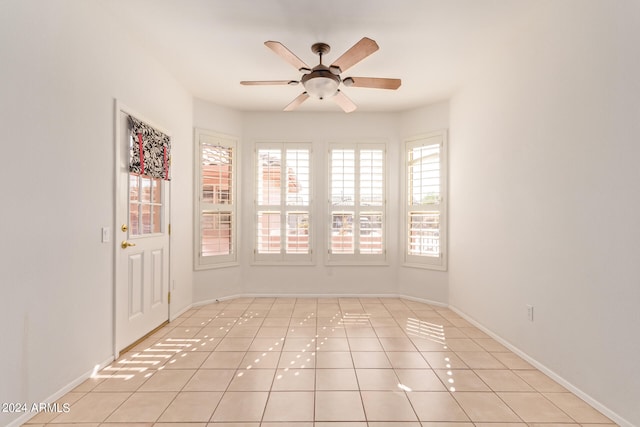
(201, 267)
(356, 263)
(282, 263)
(425, 266)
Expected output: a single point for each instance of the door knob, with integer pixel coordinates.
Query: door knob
(126, 244)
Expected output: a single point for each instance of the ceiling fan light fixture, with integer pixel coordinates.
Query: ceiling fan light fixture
(321, 87)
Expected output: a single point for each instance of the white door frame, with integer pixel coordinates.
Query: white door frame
(118, 183)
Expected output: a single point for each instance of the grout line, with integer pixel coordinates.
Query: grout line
(392, 312)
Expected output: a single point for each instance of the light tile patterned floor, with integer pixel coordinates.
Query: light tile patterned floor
(328, 362)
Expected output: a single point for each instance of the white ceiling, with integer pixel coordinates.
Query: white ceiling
(210, 45)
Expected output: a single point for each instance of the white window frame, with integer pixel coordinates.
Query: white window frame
(438, 262)
(202, 137)
(283, 258)
(357, 258)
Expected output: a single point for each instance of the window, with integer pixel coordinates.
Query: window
(215, 220)
(283, 203)
(357, 204)
(426, 215)
(145, 205)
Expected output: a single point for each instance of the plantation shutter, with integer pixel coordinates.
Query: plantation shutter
(216, 198)
(283, 202)
(343, 197)
(357, 203)
(425, 201)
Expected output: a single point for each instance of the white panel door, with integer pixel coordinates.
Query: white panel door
(142, 246)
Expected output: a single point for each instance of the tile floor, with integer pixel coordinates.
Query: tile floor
(327, 362)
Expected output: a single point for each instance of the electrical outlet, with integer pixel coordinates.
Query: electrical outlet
(530, 313)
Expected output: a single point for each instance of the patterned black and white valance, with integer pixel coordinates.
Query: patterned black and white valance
(150, 151)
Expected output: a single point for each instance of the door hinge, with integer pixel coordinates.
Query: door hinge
(169, 229)
(169, 297)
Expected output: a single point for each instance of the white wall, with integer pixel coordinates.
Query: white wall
(63, 64)
(545, 189)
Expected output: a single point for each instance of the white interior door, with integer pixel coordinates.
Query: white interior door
(142, 246)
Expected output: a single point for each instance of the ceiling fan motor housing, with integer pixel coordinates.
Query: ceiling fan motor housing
(321, 82)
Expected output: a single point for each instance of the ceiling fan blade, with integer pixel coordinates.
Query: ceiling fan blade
(286, 54)
(268, 82)
(355, 54)
(373, 82)
(296, 102)
(344, 102)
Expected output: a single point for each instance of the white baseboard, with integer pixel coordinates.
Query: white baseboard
(174, 316)
(214, 300)
(280, 295)
(275, 295)
(424, 301)
(58, 394)
(544, 369)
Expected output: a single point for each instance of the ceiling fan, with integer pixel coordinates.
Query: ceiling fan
(322, 81)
